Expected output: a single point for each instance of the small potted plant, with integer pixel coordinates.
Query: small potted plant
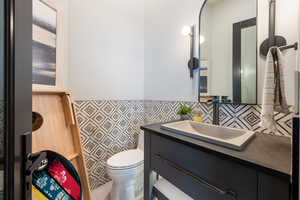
(184, 112)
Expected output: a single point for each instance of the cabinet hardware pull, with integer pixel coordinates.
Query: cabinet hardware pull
(196, 178)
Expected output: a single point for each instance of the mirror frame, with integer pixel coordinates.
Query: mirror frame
(199, 55)
(236, 58)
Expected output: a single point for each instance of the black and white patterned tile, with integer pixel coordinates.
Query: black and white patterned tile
(248, 117)
(109, 127)
(164, 111)
(160, 111)
(207, 112)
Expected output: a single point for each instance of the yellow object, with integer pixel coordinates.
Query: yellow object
(37, 195)
(197, 118)
(197, 115)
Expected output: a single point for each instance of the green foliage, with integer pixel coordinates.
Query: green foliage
(184, 109)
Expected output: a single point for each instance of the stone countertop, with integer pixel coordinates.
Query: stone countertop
(269, 153)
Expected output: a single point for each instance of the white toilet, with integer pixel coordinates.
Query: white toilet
(126, 170)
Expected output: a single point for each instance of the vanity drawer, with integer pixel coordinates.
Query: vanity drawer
(273, 188)
(201, 175)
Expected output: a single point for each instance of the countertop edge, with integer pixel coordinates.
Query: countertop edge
(262, 167)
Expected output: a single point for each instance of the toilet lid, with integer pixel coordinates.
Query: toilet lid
(125, 159)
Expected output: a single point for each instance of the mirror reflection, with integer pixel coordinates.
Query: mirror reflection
(228, 57)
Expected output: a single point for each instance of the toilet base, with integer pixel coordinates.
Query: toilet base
(126, 171)
(123, 190)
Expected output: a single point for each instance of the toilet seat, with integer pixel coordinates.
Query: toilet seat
(126, 160)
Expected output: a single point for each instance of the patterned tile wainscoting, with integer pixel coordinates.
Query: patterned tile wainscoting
(248, 117)
(236, 116)
(108, 127)
(163, 111)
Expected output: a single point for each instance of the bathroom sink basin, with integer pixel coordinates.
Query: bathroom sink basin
(228, 137)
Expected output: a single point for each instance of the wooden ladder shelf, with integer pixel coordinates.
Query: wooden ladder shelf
(60, 130)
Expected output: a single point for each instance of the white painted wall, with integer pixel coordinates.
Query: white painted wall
(167, 51)
(107, 49)
(134, 49)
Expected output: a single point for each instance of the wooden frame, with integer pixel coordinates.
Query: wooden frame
(60, 131)
(51, 5)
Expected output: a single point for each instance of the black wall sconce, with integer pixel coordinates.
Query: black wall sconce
(193, 61)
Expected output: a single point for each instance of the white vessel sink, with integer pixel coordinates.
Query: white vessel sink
(228, 137)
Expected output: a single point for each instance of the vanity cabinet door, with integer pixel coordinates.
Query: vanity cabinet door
(200, 174)
(273, 188)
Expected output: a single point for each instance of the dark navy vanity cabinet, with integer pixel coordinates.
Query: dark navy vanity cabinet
(209, 172)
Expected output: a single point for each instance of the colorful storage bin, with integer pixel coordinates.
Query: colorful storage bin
(59, 180)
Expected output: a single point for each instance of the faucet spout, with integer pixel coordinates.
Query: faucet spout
(216, 110)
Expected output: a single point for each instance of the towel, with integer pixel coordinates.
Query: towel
(63, 177)
(37, 195)
(274, 97)
(170, 191)
(48, 186)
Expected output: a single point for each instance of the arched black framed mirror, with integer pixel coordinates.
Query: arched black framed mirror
(228, 51)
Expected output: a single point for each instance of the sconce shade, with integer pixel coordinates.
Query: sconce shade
(186, 30)
(202, 39)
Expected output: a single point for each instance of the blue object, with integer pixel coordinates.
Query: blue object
(47, 185)
(215, 101)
